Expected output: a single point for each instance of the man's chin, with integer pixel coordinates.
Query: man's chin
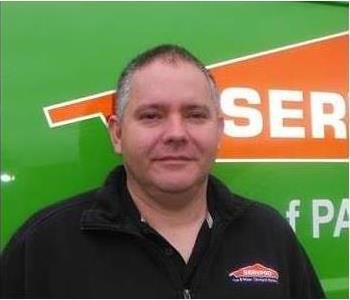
(178, 179)
(176, 184)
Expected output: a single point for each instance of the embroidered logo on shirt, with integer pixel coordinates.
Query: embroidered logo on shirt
(255, 273)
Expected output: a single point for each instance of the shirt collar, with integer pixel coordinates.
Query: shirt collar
(114, 205)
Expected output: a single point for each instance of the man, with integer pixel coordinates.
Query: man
(161, 226)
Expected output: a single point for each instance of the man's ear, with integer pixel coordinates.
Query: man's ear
(115, 133)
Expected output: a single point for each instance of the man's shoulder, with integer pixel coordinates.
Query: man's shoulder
(276, 223)
(58, 214)
(265, 221)
(264, 212)
(240, 207)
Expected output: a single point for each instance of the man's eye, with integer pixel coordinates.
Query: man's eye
(198, 115)
(150, 116)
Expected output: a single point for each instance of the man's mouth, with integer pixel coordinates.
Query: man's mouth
(174, 158)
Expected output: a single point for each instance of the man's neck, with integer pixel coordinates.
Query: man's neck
(170, 208)
(178, 217)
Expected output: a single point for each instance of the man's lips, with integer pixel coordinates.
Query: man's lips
(173, 158)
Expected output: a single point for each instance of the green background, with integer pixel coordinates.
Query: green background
(55, 52)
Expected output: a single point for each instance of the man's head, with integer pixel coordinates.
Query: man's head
(170, 54)
(168, 123)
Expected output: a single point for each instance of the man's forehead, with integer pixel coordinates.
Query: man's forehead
(159, 66)
(184, 105)
(168, 84)
(158, 77)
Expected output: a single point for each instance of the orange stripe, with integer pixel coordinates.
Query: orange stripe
(320, 66)
(102, 105)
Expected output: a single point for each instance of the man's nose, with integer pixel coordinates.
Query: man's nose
(175, 131)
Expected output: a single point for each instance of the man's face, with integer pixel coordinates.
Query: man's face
(170, 129)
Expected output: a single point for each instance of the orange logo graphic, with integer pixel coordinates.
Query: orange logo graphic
(254, 272)
(288, 103)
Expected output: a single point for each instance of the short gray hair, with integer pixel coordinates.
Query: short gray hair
(170, 54)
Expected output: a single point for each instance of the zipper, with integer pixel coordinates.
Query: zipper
(187, 294)
(202, 271)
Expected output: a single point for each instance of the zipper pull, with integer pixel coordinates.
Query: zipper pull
(187, 294)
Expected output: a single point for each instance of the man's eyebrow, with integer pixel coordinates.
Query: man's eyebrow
(202, 107)
(158, 106)
(195, 106)
(149, 106)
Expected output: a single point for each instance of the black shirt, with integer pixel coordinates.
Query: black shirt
(185, 270)
(89, 247)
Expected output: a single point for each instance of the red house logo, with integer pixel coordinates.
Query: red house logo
(256, 272)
